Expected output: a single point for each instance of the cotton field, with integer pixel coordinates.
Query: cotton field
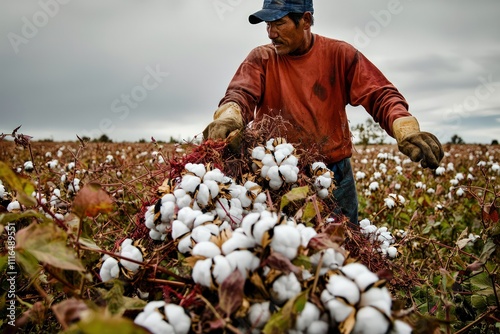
(189, 238)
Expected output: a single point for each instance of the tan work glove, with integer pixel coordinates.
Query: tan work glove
(418, 145)
(227, 124)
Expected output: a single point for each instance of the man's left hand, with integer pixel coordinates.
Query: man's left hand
(417, 145)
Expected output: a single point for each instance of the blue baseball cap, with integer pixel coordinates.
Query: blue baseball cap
(273, 10)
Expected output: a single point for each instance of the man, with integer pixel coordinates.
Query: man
(308, 79)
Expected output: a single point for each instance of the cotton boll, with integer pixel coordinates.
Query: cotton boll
(190, 183)
(331, 259)
(389, 202)
(221, 269)
(259, 314)
(273, 173)
(258, 153)
(168, 198)
(178, 318)
(222, 208)
(248, 222)
(352, 270)
(324, 181)
(262, 226)
(243, 260)
(203, 195)
(109, 269)
(392, 252)
(185, 245)
(155, 235)
(284, 288)
(370, 229)
(309, 314)
(206, 249)
(285, 148)
(373, 186)
(264, 171)
(268, 160)
(400, 327)
(379, 298)
(167, 211)
(236, 210)
(28, 166)
(187, 215)
(370, 321)
(286, 240)
(365, 280)
(179, 229)
(340, 286)
(275, 183)
(213, 228)
(339, 310)
(203, 219)
(130, 251)
(323, 193)
(154, 323)
(289, 173)
(201, 233)
(306, 234)
(318, 165)
(197, 169)
(184, 201)
(292, 160)
(202, 272)
(318, 327)
(238, 241)
(213, 187)
(13, 206)
(279, 156)
(214, 175)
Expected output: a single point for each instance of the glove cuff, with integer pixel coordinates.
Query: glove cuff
(229, 110)
(404, 126)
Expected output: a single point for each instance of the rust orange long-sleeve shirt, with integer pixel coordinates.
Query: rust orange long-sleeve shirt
(311, 91)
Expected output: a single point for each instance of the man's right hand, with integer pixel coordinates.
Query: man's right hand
(227, 118)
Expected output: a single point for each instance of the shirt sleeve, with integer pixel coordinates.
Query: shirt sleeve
(371, 89)
(247, 85)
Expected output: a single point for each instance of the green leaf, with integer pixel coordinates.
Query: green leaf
(479, 302)
(103, 323)
(114, 298)
(309, 212)
(6, 218)
(46, 243)
(284, 319)
(295, 194)
(22, 186)
(488, 249)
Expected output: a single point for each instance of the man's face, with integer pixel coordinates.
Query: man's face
(286, 37)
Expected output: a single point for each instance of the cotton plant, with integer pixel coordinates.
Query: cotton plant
(276, 162)
(159, 317)
(129, 254)
(382, 236)
(323, 179)
(356, 292)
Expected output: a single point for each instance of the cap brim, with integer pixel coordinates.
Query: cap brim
(267, 15)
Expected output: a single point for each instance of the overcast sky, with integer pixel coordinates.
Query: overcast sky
(140, 69)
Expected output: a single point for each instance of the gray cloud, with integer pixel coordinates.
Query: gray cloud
(65, 78)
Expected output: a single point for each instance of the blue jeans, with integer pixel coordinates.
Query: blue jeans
(345, 193)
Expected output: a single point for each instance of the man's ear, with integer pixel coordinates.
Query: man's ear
(307, 17)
